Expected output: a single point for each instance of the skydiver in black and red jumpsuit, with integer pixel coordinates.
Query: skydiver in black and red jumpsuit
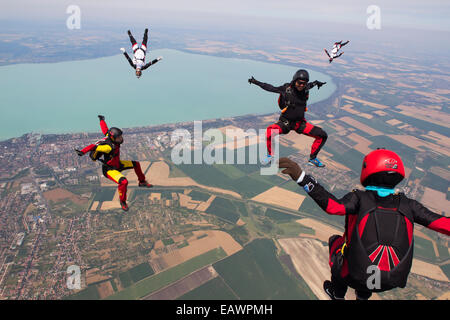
(379, 225)
(109, 148)
(292, 100)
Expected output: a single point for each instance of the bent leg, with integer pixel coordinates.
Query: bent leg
(339, 286)
(127, 164)
(121, 180)
(318, 134)
(272, 131)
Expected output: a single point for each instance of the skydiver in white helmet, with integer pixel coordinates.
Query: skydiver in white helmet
(334, 52)
(138, 62)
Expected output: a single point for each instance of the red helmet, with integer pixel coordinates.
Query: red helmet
(382, 167)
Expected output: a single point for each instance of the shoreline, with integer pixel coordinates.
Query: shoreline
(168, 123)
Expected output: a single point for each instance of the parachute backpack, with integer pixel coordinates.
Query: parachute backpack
(381, 245)
(382, 237)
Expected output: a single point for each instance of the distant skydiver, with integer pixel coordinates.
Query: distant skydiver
(109, 148)
(334, 52)
(375, 252)
(139, 52)
(292, 102)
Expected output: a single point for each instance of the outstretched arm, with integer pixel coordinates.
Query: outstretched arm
(430, 219)
(103, 125)
(85, 150)
(151, 63)
(326, 200)
(266, 86)
(315, 83)
(129, 60)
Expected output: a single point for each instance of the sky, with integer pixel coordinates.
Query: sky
(422, 15)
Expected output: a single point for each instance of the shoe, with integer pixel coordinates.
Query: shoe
(267, 160)
(328, 287)
(145, 184)
(124, 205)
(316, 162)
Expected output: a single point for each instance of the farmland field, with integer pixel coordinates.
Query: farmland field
(256, 273)
(224, 209)
(214, 289)
(159, 280)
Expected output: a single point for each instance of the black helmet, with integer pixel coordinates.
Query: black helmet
(114, 133)
(301, 74)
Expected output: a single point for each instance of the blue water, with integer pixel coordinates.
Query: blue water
(67, 96)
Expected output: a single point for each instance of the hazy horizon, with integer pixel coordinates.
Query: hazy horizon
(429, 15)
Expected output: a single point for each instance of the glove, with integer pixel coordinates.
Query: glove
(319, 84)
(79, 153)
(123, 50)
(159, 58)
(251, 80)
(100, 117)
(290, 167)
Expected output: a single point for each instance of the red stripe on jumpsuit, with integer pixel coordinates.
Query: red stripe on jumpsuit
(271, 131)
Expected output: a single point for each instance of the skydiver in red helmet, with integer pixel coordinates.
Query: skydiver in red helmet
(379, 224)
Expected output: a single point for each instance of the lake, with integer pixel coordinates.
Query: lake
(66, 97)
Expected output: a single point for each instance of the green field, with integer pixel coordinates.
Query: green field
(443, 252)
(105, 194)
(311, 208)
(435, 182)
(230, 171)
(214, 289)
(199, 196)
(446, 269)
(159, 280)
(292, 229)
(224, 209)
(352, 159)
(90, 293)
(240, 234)
(141, 271)
(278, 216)
(423, 248)
(256, 273)
(244, 179)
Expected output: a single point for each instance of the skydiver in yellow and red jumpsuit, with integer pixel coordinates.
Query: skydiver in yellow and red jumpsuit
(109, 148)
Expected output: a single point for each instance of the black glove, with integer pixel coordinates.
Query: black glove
(290, 167)
(79, 153)
(251, 80)
(101, 117)
(319, 84)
